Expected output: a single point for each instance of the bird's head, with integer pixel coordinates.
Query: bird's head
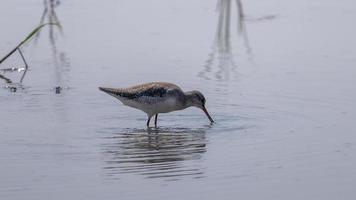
(197, 99)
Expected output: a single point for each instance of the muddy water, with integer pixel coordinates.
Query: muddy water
(279, 84)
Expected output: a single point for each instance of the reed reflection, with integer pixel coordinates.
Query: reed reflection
(59, 57)
(156, 153)
(49, 15)
(222, 54)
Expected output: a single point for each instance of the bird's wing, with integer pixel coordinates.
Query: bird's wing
(154, 89)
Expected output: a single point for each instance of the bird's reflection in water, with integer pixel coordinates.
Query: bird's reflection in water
(166, 153)
(222, 54)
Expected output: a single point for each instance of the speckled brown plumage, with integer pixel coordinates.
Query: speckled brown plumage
(157, 97)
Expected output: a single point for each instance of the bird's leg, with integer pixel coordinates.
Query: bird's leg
(148, 121)
(156, 120)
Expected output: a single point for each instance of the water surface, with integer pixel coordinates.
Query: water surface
(278, 76)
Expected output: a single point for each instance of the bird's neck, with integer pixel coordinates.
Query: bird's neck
(188, 99)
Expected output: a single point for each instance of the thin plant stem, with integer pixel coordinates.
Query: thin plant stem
(7, 80)
(29, 36)
(26, 66)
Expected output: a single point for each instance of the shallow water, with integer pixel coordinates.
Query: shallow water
(281, 92)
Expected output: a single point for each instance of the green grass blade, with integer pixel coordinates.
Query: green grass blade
(29, 36)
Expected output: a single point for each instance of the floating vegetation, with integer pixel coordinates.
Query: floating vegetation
(13, 69)
(261, 19)
(18, 49)
(58, 89)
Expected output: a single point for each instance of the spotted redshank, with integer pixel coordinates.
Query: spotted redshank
(158, 97)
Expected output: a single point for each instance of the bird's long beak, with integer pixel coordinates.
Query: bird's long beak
(207, 114)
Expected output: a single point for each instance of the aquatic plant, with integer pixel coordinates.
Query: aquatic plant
(18, 49)
(7, 80)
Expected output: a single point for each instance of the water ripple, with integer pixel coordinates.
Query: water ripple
(155, 153)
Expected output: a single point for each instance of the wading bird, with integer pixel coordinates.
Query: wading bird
(158, 97)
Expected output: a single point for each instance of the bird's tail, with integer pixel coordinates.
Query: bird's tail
(117, 92)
